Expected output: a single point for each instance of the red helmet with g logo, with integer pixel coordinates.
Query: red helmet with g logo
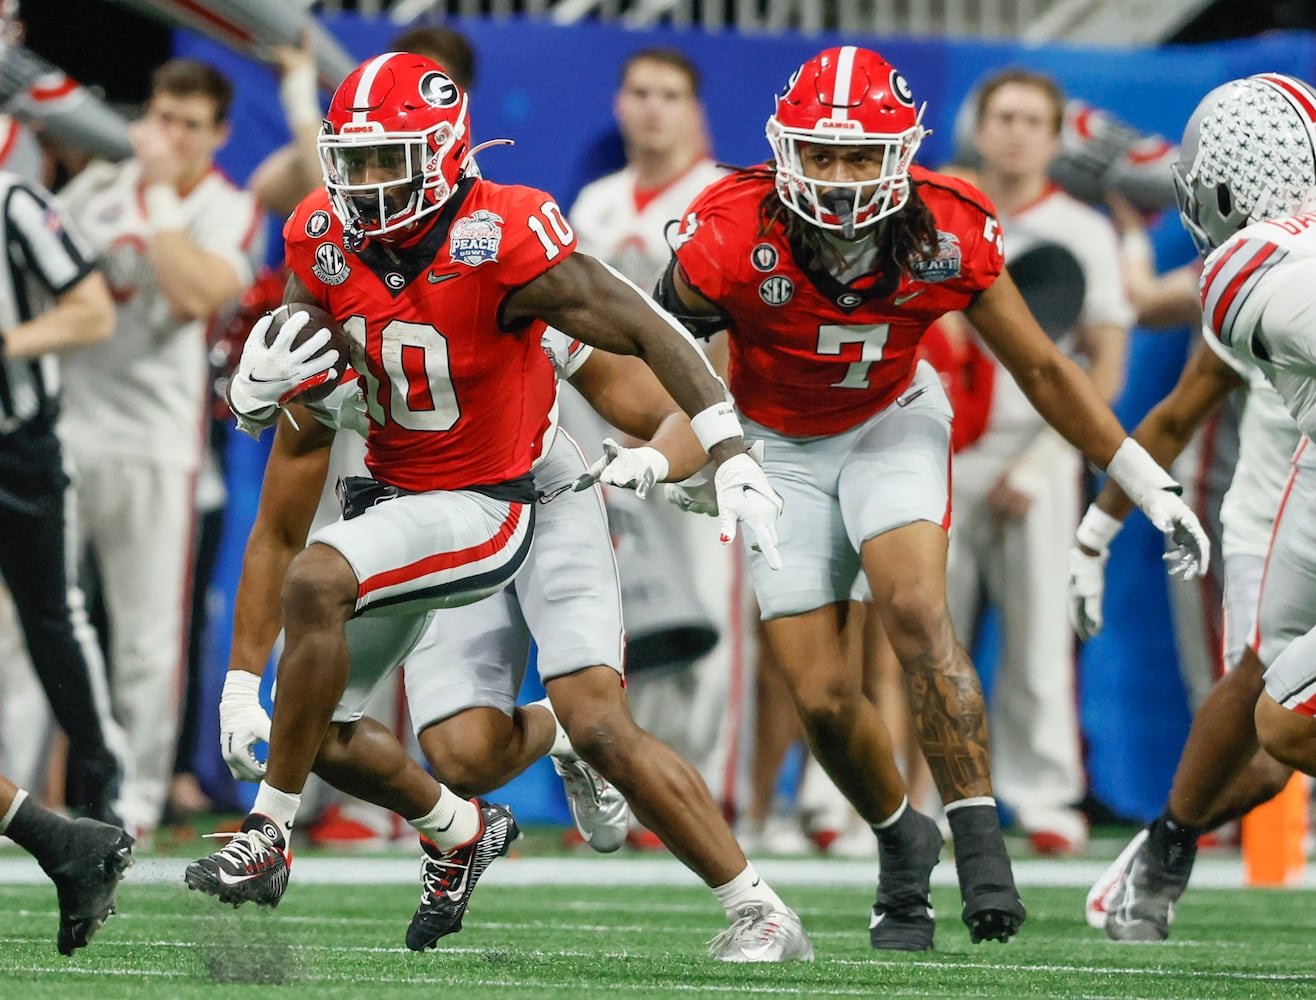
(846, 96)
(394, 144)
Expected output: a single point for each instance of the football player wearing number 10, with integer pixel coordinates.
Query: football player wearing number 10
(825, 268)
(444, 283)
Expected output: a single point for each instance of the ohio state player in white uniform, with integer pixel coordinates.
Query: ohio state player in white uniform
(1016, 490)
(175, 239)
(1257, 312)
(623, 218)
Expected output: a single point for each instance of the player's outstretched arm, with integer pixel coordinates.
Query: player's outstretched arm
(1165, 431)
(1068, 401)
(1205, 382)
(592, 302)
(627, 394)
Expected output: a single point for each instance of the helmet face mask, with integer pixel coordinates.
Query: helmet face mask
(394, 144)
(842, 99)
(1248, 154)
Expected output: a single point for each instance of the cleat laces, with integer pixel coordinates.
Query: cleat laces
(242, 853)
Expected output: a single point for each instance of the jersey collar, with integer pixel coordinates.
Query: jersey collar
(410, 262)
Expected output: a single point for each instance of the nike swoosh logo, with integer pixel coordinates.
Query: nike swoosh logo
(435, 279)
(459, 890)
(908, 398)
(447, 825)
(900, 300)
(228, 879)
(757, 952)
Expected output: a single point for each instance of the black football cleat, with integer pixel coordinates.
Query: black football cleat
(448, 878)
(86, 872)
(252, 868)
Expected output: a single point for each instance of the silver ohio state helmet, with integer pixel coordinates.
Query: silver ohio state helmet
(1248, 154)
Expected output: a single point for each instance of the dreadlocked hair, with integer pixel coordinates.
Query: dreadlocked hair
(905, 238)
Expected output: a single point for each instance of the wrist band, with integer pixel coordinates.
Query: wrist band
(297, 94)
(1137, 473)
(1135, 246)
(243, 680)
(164, 209)
(715, 424)
(1097, 529)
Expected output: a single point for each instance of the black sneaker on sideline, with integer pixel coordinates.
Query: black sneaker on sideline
(903, 919)
(448, 878)
(252, 867)
(86, 873)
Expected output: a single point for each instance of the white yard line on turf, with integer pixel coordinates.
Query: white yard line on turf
(1208, 873)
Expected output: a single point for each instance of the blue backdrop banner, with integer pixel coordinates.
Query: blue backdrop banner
(550, 89)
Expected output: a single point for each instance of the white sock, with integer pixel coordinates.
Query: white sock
(12, 811)
(453, 822)
(894, 817)
(561, 745)
(746, 888)
(977, 800)
(278, 806)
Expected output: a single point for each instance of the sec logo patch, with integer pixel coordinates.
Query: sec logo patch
(777, 290)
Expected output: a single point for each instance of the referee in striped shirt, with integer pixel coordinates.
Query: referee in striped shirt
(51, 300)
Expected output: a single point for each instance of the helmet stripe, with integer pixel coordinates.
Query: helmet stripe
(361, 99)
(1296, 93)
(841, 91)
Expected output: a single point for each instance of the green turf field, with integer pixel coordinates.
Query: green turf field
(345, 941)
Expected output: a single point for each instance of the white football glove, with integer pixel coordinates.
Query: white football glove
(242, 722)
(626, 468)
(267, 377)
(696, 494)
(1189, 554)
(1087, 587)
(744, 495)
(1157, 495)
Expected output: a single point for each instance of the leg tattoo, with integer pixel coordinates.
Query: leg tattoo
(951, 718)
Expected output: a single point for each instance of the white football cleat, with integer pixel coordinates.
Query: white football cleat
(763, 935)
(1112, 879)
(599, 809)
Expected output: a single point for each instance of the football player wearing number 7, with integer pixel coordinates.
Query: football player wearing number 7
(825, 268)
(444, 283)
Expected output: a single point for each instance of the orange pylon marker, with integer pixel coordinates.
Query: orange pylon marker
(1274, 837)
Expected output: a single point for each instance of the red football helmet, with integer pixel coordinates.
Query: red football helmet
(394, 144)
(846, 97)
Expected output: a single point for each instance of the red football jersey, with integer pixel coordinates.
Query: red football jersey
(455, 398)
(811, 356)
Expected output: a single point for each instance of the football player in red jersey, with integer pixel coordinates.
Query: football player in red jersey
(825, 267)
(444, 283)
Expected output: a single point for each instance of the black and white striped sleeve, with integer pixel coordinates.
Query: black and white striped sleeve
(43, 234)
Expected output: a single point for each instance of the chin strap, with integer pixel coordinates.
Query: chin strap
(840, 205)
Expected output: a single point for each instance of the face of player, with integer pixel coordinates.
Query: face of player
(387, 166)
(1016, 137)
(657, 111)
(849, 165)
(188, 125)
